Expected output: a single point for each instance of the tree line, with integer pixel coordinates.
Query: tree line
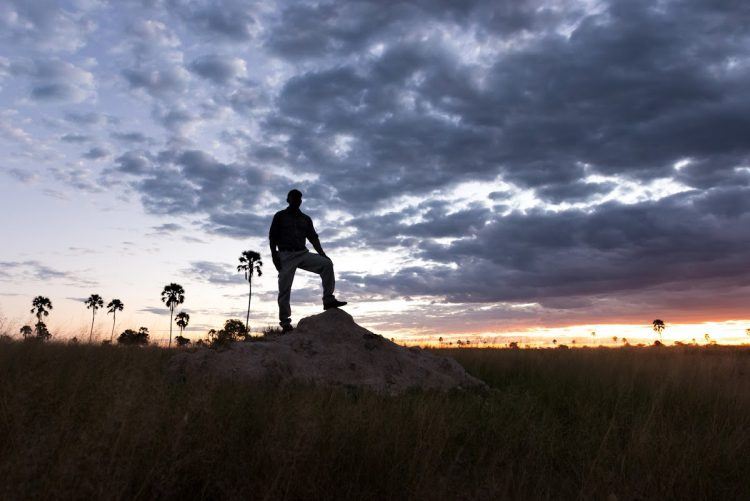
(172, 295)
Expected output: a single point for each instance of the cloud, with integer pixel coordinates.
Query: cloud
(56, 80)
(229, 19)
(32, 270)
(177, 181)
(133, 162)
(129, 137)
(159, 82)
(72, 137)
(546, 257)
(213, 273)
(44, 25)
(24, 176)
(96, 153)
(89, 118)
(218, 69)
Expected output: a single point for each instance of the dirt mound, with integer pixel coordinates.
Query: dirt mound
(330, 349)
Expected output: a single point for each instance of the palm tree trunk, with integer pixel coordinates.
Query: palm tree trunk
(171, 312)
(91, 334)
(249, 297)
(114, 319)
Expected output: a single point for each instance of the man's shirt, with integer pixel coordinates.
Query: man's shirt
(290, 228)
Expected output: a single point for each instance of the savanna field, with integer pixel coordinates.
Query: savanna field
(108, 422)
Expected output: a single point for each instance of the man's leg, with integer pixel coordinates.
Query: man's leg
(286, 277)
(323, 267)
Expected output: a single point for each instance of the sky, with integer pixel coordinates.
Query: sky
(520, 170)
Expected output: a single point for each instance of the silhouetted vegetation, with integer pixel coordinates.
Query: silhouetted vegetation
(41, 306)
(182, 320)
(172, 295)
(89, 421)
(250, 263)
(41, 333)
(26, 332)
(132, 338)
(94, 302)
(658, 326)
(113, 307)
(233, 330)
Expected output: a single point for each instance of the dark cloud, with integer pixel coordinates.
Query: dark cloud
(72, 137)
(229, 19)
(54, 79)
(155, 310)
(96, 153)
(54, 92)
(219, 69)
(89, 118)
(35, 270)
(213, 273)
(130, 137)
(133, 162)
(168, 228)
(547, 257)
(630, 92)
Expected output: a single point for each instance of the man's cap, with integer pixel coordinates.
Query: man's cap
(295, 192)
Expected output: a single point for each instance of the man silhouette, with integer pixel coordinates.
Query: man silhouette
(289, 230)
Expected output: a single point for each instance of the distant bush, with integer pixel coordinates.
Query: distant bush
(41, 333)
(234, 330)
(133, 338)
(182, 341)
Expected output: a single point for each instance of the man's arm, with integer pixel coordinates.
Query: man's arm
(312, 236)
(273, 242)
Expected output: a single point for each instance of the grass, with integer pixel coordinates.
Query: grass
(106, 422)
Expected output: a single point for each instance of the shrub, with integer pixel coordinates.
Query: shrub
(133, 338)
(234, 330)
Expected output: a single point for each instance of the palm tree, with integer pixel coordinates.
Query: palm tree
(40, 306)
(94, 302)
(172, 295)
(26, 331)
(658, 326)
(182, 320)
(250, 263)
(113, 307)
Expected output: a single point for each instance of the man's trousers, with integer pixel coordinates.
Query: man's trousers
(308, 261)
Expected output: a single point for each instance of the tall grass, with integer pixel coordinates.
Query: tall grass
(109, 423)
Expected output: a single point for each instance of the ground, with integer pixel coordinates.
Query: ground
(108, 423)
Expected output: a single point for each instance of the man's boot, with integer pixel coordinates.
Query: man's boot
(333, 303)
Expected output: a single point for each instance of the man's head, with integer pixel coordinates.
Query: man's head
(294, 198)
